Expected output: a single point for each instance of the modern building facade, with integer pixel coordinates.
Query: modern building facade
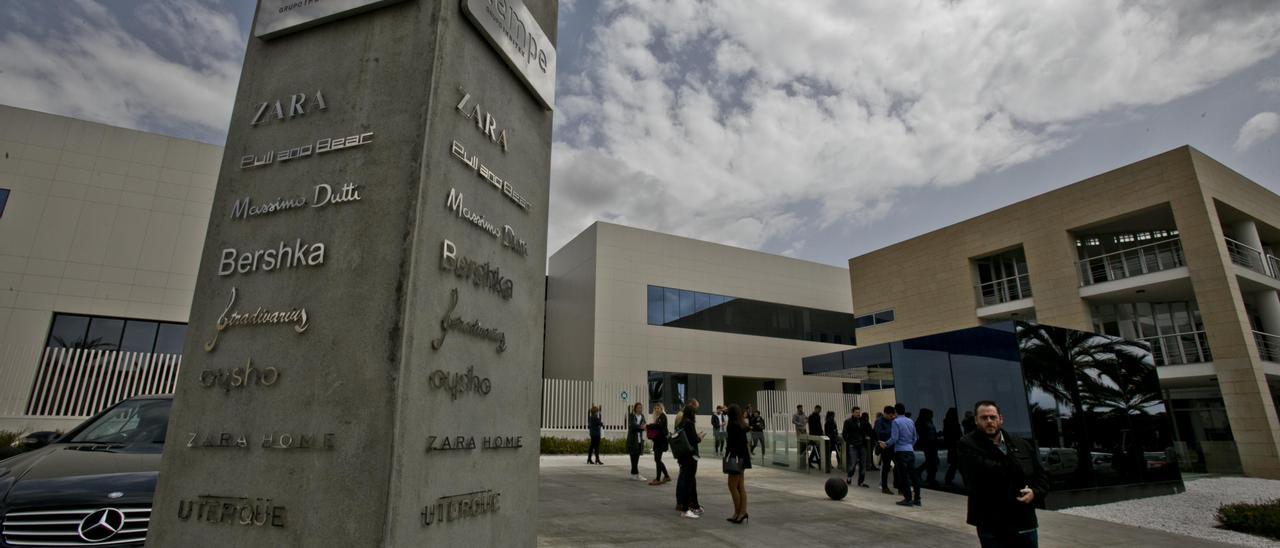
(1091, 404)
(690, 319)
(100, 233)
(1176, 250)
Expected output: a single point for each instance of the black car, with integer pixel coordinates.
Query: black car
(91, 487)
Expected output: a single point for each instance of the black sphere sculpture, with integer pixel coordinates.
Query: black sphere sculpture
(836, 488)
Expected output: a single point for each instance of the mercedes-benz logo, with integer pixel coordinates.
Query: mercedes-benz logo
(101, 525)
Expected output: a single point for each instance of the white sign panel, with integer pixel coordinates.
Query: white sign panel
(278, 17)
(511, 29)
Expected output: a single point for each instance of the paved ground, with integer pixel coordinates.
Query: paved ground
(581, 505)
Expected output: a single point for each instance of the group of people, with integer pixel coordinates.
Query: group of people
(730, 426)
(1003, 474)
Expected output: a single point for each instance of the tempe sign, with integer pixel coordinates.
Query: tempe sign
(363, 368)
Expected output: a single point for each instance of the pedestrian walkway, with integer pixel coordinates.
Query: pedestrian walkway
(582, 505)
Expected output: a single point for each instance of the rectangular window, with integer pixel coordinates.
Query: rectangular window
(711, 312)
(4, 199)
(875, 318)
(106, 333)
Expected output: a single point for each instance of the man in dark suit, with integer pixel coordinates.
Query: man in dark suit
(1005, 479)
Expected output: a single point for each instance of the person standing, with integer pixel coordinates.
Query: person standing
(594, 426)
(736, 449)
(1005, 479)
(950, 437)
(660, 444)
(756, 423)
(717, 428)
(635, 439)
(686, 479)
(855, 434)
(798, 420)
(901, 442)
(814, 458)
(928, 444)
(832, 433)
(884, 428)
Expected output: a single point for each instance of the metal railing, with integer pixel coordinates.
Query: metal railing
(1180, 348)
(78, 382)
(1253, 258)
(565, 403)
(1131, 262)
(1003, 290)
(1268, 346)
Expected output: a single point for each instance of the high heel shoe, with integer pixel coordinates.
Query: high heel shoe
(741, 519)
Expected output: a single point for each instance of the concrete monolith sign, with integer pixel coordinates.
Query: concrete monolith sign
(364, 355)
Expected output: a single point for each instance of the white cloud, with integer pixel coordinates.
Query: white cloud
(180, 81)
(1258, 129)
(754, 121)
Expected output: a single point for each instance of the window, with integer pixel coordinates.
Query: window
(875, 318)
(710, 312)
(4, 199)
(103, 333)
(674, 390)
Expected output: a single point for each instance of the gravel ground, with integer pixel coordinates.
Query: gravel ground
(1191, 513)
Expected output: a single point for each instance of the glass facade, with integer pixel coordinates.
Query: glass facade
(710, 312)
(875, 318)
(4, 200)
(674, 390)
(1090, 403)
(103, 333)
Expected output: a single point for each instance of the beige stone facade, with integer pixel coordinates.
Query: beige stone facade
(598, 328)
(932, 284)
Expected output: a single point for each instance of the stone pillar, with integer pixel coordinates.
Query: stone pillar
(1246, 232)
(1267, 303)
(364, 351)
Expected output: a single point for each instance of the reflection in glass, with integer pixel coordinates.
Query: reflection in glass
(105, 333)
(170, 338)
(69, 331)
(139, 336)
(711, 312)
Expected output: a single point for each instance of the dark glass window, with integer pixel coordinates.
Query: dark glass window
(105, 333)
(4, 199)
(139, 336)
(170, 338)
(875, 318)
(674, 390)
(711, 312)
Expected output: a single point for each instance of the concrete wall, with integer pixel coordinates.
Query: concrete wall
(101, 221)
(624, 348)
(571, 307)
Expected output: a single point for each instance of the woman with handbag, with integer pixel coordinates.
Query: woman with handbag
(737, 459)
(659, 433)
(685, 449)
(635, 439)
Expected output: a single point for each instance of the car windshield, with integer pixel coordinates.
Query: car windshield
(132, 421)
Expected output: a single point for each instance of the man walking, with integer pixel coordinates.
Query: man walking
(855, 435)
(884, 429)
(756, 423)
(717, 427)
(902, 441)
(1005, 479)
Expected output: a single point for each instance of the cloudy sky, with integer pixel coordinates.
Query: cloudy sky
(817, 129)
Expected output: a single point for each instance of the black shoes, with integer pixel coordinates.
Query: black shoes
(904, 502)
(738, 521)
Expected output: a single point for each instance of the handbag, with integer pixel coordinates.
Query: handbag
(651, 431)
(679, 444)
(732, 464)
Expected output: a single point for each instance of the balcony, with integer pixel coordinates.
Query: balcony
(1136, 261)
(1180, 348)
(1268, 346)
(1253, 259)
(1013, 288)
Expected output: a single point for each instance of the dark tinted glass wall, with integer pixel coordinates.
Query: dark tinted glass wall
(1090, 403)
(674, 390)
(710, 312)
(103, 333)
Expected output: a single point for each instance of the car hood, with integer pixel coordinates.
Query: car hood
(74, 474)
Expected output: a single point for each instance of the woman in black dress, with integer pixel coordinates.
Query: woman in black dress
(660, 444)
(833, 436)
(736, 448)
(594, 426)
(687, 480)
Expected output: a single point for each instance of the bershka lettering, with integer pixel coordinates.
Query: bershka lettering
(481, 275)
(287, 255)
